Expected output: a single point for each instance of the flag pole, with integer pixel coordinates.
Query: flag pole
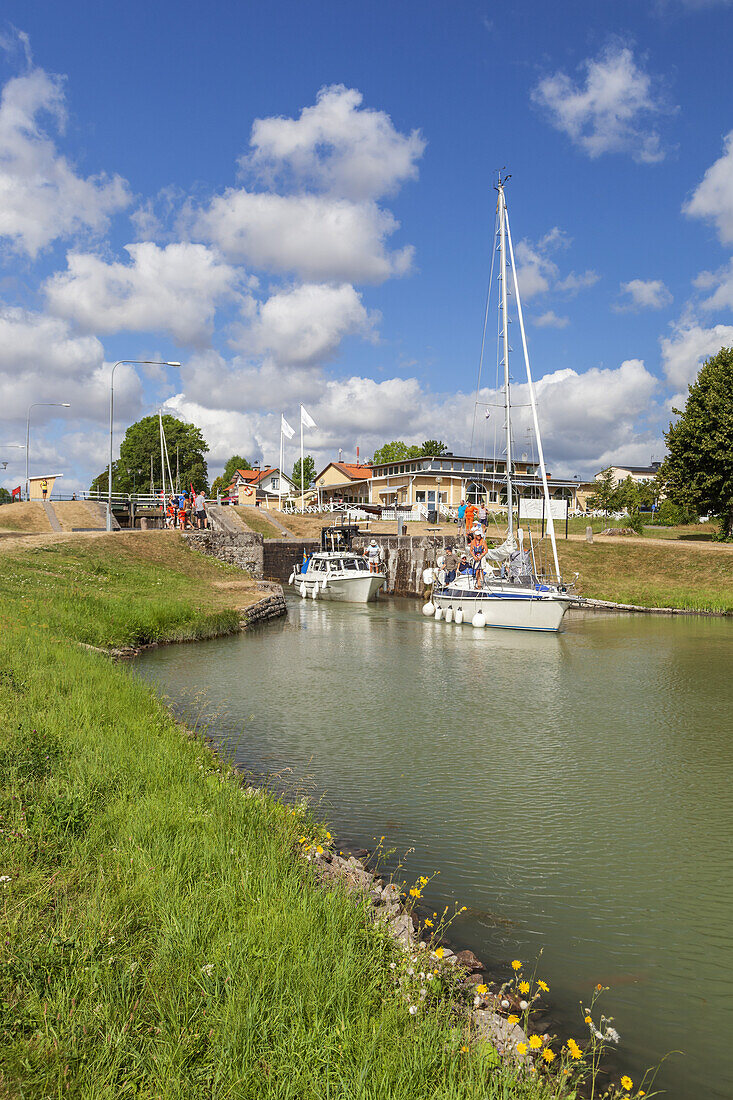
(302, 499)
(280, 477)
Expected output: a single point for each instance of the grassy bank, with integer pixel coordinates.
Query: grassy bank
(122, 589)
(698, 578)
(161, 938)
(257, 521)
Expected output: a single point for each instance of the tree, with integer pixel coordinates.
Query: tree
(236, 462)
(698, 470)
(605, 498)
(5, 497)
(396, 451)
(433, 447)
(309, 472)
(131, 473)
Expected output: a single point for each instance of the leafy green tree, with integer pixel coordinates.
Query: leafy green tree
(606, 497)
(236, 462)
(433, 447)
(131, 473)
(5, 497)
(309, 472)
(698, 470)
(396, 451)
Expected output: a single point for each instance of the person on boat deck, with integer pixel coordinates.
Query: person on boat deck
(463, 566)
(372, 554)
(477, 548)
(450, 566)
(461, 517)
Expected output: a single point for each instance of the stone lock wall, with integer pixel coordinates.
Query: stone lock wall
(405, 557)
(243, 548)
(281, 555)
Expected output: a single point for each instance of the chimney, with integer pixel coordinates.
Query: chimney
(340, 453)
(357, 456)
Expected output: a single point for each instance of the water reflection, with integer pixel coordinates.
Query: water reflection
(574, 790)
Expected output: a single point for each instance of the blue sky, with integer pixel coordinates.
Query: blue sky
(296, 201)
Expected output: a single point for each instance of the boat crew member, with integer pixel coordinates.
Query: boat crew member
(372, 554)
(451, 564)
(463, 567)
(477, 549)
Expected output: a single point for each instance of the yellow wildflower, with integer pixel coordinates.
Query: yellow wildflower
(512, 1020)
(464, 1050)
(415, 893)
(543, 986)
(516, 965)
(319, 850)
(589, 1021)
(535, 1042)
(524, 987)
(439, 953)
(302, 839)
(548, 1055)
(307, 847)
(328, 836)
(574, 1049)
(627, 1083)
(521, 1049)
(423, 880)
(482, 988)
(428, 922)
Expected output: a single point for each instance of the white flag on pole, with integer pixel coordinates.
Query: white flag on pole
(306, 419)
(285, 428)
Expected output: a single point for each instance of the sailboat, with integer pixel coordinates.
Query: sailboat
(510, 588)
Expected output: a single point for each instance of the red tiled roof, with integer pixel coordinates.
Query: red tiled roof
(351, 470)
(254, 477)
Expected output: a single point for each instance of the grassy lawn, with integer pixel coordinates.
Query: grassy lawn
(257, 521)
(121, 589)
(161, 938)
(698, 578)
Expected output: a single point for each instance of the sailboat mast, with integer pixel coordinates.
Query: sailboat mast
(505, 342)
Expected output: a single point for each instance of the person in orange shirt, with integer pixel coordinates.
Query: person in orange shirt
(471, 511)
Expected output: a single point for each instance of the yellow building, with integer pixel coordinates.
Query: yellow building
(431, 480)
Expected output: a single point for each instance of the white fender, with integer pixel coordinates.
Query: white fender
(441, 577)
(381, 553)
(438, 613)
(314, 591)
(428, 576)
(428, 608)
(440, 561)
(324, 584)
(449, 614)
(478, 620)
(458, 617)
(303, 590)
(291, 578)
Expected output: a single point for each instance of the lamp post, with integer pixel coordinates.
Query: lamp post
(55, 404)
(129, 363)
(438, 482)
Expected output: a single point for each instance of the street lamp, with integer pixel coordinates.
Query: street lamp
(128, 363)
(55, 404)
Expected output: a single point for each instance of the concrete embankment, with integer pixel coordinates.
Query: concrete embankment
(405, 557)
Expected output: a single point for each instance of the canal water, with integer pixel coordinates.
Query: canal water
(574, 791)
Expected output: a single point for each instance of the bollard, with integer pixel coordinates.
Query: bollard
(589, 534)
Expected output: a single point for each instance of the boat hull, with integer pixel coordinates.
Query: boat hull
(509, 610)
(358, 589)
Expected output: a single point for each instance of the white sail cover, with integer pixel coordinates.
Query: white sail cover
(503, 552)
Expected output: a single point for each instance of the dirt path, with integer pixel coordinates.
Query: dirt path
(671, 544)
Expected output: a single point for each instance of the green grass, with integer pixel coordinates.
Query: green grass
(690, 578)
(161, 937)
(120, 590)
(259, 523)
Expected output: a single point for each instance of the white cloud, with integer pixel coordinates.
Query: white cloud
(306, 324)
(643, 294)
(312, 236)
(551, 320)
(174, 289)
(713, 196)
(573, 283)
(684, 351)
(537, 272)
(42, 198)
(610, 111)
(336, 146)
(721, 282)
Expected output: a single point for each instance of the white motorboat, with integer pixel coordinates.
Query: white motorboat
(511, 589)
(335, 572)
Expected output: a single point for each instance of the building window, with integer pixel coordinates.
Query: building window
(420, 497)
(402, 469)
(276, 483)
(475, 493)
(493, 496)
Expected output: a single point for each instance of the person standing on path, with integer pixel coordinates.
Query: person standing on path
(461, 517)
(201, 520)
(44, 488)
(470, 517)
(482, 516)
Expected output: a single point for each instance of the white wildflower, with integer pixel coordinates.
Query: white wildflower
(392, 966)
(505, 1004)
(612, 1035)
(413, 1010)
(523, 1005)
(411, 972)
(4, 879)
(476, 1002)
(423, 992)
(207, 969)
